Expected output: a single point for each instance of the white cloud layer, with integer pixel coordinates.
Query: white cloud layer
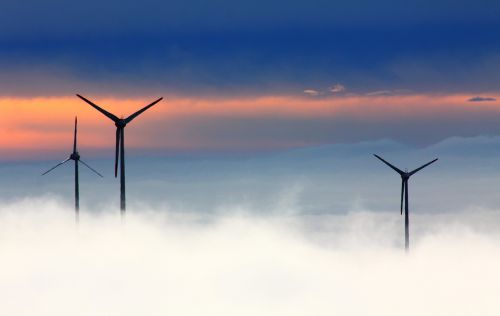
(245, 264)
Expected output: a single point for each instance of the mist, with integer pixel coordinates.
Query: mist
(309, 231)
(160, 263)
(330, 179)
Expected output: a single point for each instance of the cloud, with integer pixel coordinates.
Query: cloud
(337, 88)
(157, 264)
(388, 92)
(380, 92)
(311, 92)
(481, 99)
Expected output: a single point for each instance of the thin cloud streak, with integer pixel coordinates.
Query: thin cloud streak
(312, 92)
(482, 99)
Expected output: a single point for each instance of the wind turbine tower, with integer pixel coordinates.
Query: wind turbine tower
(75, 156)
(120, 124)
(405, 176)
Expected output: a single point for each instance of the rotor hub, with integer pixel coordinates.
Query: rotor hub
(120, 123)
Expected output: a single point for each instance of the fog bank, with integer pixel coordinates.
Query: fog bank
(162, 263)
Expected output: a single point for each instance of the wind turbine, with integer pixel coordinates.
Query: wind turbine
(75, 156)
(120, 124)
(405, 176)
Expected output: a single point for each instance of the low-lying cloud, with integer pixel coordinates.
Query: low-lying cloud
(240, 264)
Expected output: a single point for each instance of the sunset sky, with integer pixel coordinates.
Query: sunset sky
(252, 187)
(247, 76)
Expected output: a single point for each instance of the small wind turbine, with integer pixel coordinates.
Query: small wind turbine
(120, 124)
(405, 176)
(75, 156)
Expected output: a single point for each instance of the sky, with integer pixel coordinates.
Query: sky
(251, 188)
(263, 101)
(247, 76)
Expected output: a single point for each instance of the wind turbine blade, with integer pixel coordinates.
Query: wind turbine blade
(133, 116)
(391, 166)
(103, 111)
(420, 168)
(62, 162)
(86, 165)
(402, 193)
(117, 151)
(74, 141)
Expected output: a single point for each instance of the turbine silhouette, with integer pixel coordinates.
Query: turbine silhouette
(120, 124)
(75, 156)
(405, 176)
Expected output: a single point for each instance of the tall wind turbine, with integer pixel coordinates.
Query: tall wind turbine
(405, 176)
(75, 156)
(120, 124)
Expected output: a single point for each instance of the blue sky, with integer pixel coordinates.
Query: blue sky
(225, 47)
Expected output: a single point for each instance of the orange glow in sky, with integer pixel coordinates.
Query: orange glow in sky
(46, 123)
